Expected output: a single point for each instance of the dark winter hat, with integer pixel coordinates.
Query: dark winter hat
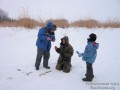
(49, 25)
(92, 37)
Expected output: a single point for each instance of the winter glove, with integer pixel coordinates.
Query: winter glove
(53, 40)
(56, 47)
(49, 39)
(79, 54)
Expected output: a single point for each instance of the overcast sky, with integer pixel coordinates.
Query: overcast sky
(69, 9)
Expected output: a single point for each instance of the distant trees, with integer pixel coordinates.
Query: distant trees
(4, 16)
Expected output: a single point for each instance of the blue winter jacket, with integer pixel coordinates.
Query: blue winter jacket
(90, 52)
(42, 42)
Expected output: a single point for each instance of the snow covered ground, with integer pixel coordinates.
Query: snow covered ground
(18, 53)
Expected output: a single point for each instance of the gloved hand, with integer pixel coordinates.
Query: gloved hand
(53, 40)
(49, 39)
(56, 47)
(79, 54)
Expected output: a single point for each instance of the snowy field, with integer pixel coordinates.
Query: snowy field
(18, 54)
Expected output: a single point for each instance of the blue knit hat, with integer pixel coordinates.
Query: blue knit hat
(49, 25)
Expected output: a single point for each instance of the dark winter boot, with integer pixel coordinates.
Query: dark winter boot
(86, 79)
(47, 67)
(37, 68)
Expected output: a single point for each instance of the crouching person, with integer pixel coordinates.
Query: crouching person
(66, 51)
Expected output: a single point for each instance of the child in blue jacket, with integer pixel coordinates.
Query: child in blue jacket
(89, 56)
